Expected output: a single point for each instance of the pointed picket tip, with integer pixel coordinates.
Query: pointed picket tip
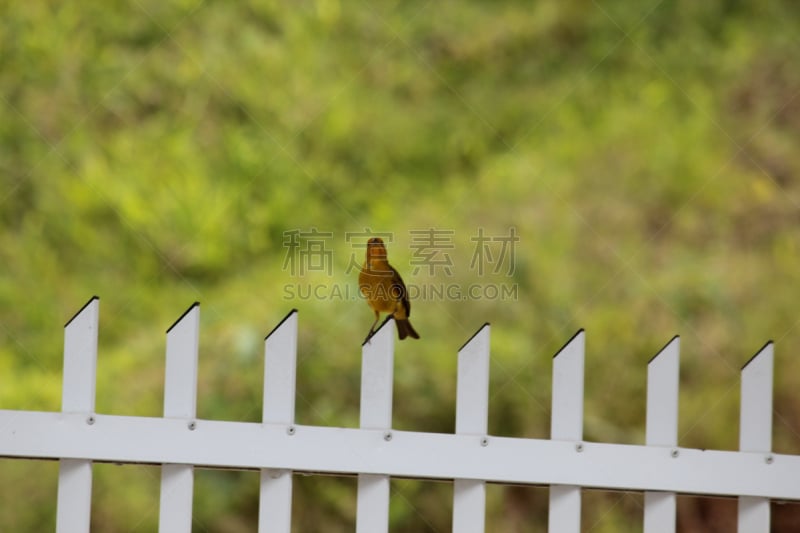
(92, 299)
(761, 350)
(484, 326)
(195, 304)
(380, 327)
(676, 338)
(575, 336)
(278, 326)
(377, 378)
(472, 385)
(80, 359)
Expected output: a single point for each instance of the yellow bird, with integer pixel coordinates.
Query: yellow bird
(384, 290)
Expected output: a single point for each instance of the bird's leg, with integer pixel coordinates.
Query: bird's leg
(372, 327)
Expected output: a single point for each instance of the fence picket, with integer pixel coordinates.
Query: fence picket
(472, 409)
(74, 506)
(180, 401)
(755, 432)
(567, 424)
(663, 374)
(377, 386)
(280, 364)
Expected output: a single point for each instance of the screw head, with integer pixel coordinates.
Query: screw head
(675, 453)
(91, 420)
(484, 441)
(387, 436)
(769, 459)
(192, 425)
(579, 447)
(290, 430)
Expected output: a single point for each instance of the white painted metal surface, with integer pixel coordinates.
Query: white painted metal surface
(659, 512)
(565, 508)
(566, 421)
(275, 501)
(74, 496)
(175, 503)
(78, 395)
(566, 424)
(377, 382)
(472, 387)
(377, 379)
(372, 509)
(280, 362)
(180, 376)
(277, 447)
(755, 429)
(180, 402)
(472, 411)
(754, 514)
(80, 360)
(242, 445)
(663, 375)
(755, 432)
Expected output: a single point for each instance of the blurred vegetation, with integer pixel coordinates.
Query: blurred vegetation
(155, 153)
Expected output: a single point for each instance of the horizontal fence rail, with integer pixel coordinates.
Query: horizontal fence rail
(375, 453)
(252, 446)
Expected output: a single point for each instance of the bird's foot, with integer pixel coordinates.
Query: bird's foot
(368, 337)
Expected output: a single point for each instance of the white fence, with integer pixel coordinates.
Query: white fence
(77, 436)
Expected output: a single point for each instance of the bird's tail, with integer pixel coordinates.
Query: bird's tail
(404, 329)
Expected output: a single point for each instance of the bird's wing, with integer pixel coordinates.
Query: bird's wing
(397, 281)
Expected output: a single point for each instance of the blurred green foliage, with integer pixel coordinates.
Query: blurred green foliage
(155, 153)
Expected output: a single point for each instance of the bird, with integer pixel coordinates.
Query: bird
(384, 290)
